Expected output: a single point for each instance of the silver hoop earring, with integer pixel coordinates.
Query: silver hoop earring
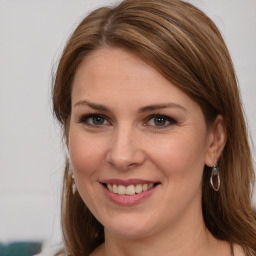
(215, 175)
(73, 185)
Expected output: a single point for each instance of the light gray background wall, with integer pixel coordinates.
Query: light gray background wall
(32, 35)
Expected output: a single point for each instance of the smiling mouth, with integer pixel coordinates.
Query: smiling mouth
(130, 189)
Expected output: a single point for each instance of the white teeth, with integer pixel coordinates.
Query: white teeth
(129, 190)
(121, 190)
(138, 188)
(110, 187)
(115, 188)
(145, 187)
(150, 186)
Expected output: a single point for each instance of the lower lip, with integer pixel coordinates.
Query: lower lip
(126, 200)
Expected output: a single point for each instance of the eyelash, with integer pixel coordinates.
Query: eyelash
(164, 117)
(84, 120)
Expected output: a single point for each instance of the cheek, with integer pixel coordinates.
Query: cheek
(86, 153)
(181, 156)
(181, 162)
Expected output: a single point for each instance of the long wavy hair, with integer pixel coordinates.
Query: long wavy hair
(186, 47)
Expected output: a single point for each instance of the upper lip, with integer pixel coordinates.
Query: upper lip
(127, 182)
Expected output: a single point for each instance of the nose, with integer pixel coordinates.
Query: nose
(125, 150)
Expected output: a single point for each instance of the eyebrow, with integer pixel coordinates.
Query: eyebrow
(91, 105)
(161, 106)
(141, 110)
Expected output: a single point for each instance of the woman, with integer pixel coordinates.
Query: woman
(159, 157)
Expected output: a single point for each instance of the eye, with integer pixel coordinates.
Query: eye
(160, 121)
(94, 120)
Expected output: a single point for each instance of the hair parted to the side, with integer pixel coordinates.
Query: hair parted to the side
(185, 46)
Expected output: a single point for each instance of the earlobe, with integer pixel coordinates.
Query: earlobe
(216, 141)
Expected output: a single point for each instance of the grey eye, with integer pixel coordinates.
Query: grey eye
(97, 120)
(160, 121)
(94, 120)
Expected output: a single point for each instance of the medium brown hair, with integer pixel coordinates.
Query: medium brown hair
(185, 46)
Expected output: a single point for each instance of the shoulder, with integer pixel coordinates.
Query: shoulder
(50, 253)
(238, 250)
(51, 248)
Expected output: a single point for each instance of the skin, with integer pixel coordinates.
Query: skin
(129, 145)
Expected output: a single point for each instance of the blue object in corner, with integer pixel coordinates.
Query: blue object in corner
(20, 248)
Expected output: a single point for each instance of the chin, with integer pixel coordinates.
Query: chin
(129, 228)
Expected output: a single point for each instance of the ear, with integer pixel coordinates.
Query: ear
(217, 136)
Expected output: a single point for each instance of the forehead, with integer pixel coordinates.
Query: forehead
(116, 76)
(106, 67)
(115, 63)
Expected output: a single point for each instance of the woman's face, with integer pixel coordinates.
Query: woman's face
(138, 145)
